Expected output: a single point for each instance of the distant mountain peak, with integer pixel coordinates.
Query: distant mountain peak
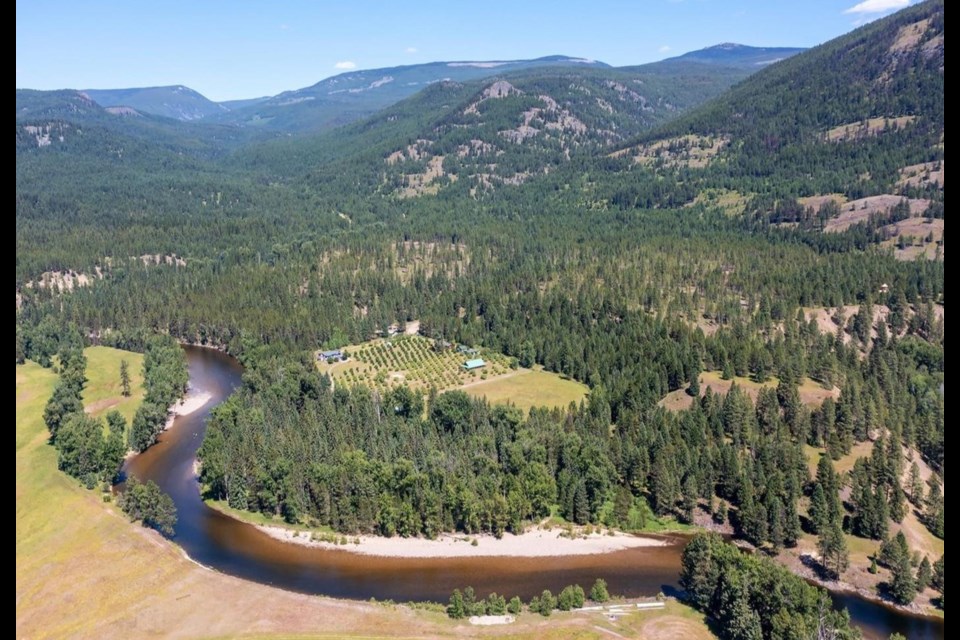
(173, 101)
(734, 54)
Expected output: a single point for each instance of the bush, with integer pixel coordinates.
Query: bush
(572, 597)
(456, 609)
(496, 605)
(598, 592)
(547, 603)
(514, 606)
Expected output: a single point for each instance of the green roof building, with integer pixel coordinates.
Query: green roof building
(476, 363)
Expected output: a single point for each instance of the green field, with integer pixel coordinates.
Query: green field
(413, 361)
(528, 388)
(103, 391)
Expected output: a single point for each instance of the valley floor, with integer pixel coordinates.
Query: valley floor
(84, 571)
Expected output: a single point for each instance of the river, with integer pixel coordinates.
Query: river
(233, 547)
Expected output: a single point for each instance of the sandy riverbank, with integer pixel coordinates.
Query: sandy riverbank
(187, 405)
(530, 544)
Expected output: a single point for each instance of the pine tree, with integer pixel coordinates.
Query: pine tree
(456, 608)
(924, 574)
(125, 378)
(937, 578)
(777, 535)
(689, 498)
(916, 485)
(892, 550)
(115, 447)
(898, 504)
(903, 583)
(694, 387)
(581, 508)
(933, 514)
(791, 529)
(819, 509)
(720, 515)
(833, 551)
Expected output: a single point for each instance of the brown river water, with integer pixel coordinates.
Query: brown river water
(236, 548)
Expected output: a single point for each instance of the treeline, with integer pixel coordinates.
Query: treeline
(165, 378)
(83, 450)
(465, 603)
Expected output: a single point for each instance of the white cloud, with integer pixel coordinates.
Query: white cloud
(664, 48)
(877, 6)
(345, 65)
(410, 50)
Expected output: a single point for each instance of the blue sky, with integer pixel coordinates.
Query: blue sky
(230, 49)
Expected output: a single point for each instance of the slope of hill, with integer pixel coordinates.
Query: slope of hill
(71, 121)
(177, 102)
(500, 130)
(859, 116)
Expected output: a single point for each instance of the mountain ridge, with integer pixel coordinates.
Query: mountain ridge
(353, 95)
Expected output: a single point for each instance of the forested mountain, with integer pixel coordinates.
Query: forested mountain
(106, 160)
(857, 116)
(61, 120)
(357, 94)
(177, 102)
(353, 95)
(500, 130)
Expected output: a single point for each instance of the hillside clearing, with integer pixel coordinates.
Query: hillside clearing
(866, 128)
(811, 392)
(857, 211)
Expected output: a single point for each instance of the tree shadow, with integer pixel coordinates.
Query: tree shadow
(818, 569)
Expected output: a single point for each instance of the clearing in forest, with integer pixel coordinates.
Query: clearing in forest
(528, 388)
(811, 393)
(421, 364)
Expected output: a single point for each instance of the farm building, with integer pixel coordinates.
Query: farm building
(335, 354)
(476, 363)
(442, 345)
(467, 351)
